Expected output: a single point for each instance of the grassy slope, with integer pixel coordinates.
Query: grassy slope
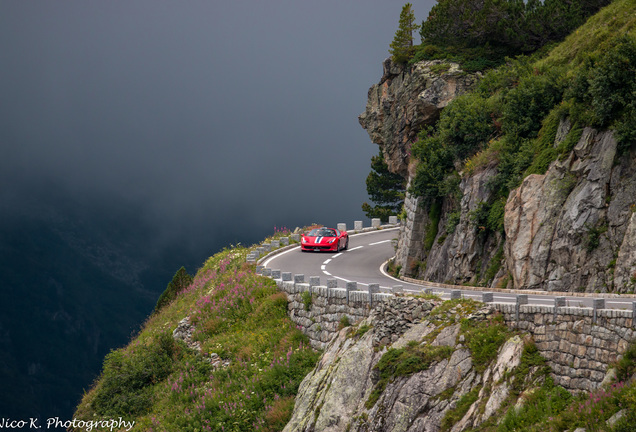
(164, 385)
(596, 35)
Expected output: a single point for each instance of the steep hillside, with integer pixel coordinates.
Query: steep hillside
(222, 356)
(529, 179)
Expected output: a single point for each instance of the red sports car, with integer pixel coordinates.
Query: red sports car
(324, 239)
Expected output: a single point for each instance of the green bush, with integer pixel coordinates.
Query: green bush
(530, 102)
(605, 91)
(454, 415)
(484, 339)
(488, 217)
(594, 233)
(467, 124)
(344, 322)
(128, 377)
(542, 404)
(435, 162)
(307, 299)
(494, 265)
(626, 366)
(180, 281)
(452, 221)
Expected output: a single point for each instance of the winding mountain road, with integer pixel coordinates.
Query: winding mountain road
(367, 254)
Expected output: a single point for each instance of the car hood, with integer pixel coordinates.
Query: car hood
(318, 240)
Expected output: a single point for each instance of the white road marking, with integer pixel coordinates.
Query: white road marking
(326, 272)
(336, 255)
(322, 267)
(374, 232)
(380, 242)
(327, 261)
(358, 247)
(266, 262)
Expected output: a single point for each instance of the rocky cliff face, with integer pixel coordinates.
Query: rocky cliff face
(571, 229)
(407, 98)
(349, 390)
(404, 101)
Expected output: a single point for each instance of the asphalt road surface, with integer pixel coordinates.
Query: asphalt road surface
(363, 263)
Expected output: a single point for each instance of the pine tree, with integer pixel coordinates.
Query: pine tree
(385, 188)
(179, 282)
(402, 48)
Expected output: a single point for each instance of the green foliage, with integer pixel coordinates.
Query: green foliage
(485, 31)
(511, 119)
(592, 410)
(434, 215)
(539, 406)
(531, 362)
(495, 220)
(128, 376)
(454, 415)
(529, 102)
(462, 306)
(606, 87)
(179, 282)
(393, 269)
(307, 299)
(463, 128)
(484, 339)
(435, 161)
(344, 322)
(494, 265)
(385, 188)
(362, 330)
(488, 217)
(547, 407)
(626, 366)
(452, 221)
(473, 59)
(402, 48)
(594, 235)
(467, 124)
(404, 362)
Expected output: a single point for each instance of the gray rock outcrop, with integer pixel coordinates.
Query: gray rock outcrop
(573, 228)
(334, 397)
(407, 98)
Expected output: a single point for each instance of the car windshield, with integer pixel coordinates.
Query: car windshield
(322, 232)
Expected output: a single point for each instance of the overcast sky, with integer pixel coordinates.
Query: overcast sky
(201, 113)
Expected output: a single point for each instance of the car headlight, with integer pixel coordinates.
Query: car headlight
(304, 240)
(331, 241)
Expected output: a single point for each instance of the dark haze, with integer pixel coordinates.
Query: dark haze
(136, 137)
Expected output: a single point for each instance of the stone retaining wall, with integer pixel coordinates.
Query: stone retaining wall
(579, 343)
(320, 318)
(410, 240)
